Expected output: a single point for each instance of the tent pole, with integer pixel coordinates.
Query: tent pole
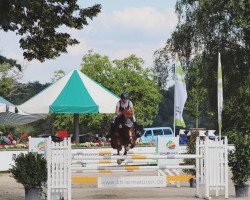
(76, 127)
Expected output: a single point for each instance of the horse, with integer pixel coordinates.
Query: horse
(124, 133)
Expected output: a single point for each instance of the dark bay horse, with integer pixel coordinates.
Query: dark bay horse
(124, 133)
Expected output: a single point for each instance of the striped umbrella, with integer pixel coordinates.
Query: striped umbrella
(75, 93)
(10, 115)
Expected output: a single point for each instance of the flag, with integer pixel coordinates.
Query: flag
(180, 94)
(220, 94)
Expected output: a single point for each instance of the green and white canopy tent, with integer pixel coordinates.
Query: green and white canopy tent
(10, 115)
(74, 93)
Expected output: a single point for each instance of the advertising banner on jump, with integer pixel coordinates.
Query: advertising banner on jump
(168, 146)
(131, 181)
(37, 145)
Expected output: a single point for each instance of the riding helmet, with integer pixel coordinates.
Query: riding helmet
(124, 95)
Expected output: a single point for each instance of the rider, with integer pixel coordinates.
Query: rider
(121, 105)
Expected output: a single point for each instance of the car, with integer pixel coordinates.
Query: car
(207, 133)
(88, 138)
(150, 134)
(53, 137)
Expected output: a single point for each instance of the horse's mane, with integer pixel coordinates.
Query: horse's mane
(127, 113)
(120, 119)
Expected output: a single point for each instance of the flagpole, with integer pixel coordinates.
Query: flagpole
(219, 95)
(174, 92)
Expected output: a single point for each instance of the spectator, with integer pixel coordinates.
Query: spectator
(10, 137)
(6, 140)
(103, 138)
(1, 137)
(183, 138)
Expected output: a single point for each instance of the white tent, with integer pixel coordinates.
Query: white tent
(10, 115)
(74, 93)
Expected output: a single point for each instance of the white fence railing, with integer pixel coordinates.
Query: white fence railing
(58, 156)
(211, 167)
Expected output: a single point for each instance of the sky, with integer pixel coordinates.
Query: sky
(123, 27)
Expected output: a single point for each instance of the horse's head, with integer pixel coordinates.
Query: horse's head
(128, 114)
(120, 121)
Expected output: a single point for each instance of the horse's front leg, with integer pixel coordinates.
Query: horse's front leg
(119, 161)
(130, 141)
(132, 138)
(125, 150)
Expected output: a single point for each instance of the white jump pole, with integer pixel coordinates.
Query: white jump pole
(101, 153)
(138, 157)
(133, 167)
(129, 161)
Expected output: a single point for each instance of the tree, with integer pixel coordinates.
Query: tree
(39, 24)
(161, 69)
(204, 29)
(197, 93)
(126, 75)
(11, 62)
(26, 91)
(119, 76)
(9, 75)
(165, 115)
(57, 75)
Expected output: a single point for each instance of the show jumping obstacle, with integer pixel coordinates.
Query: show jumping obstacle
(211, 167)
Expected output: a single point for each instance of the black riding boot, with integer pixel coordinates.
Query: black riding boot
(137, 134)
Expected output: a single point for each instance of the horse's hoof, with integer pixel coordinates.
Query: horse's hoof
(119, 161)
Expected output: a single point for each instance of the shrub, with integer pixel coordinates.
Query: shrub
(239, 160)
(30, 170)
(191, 149)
